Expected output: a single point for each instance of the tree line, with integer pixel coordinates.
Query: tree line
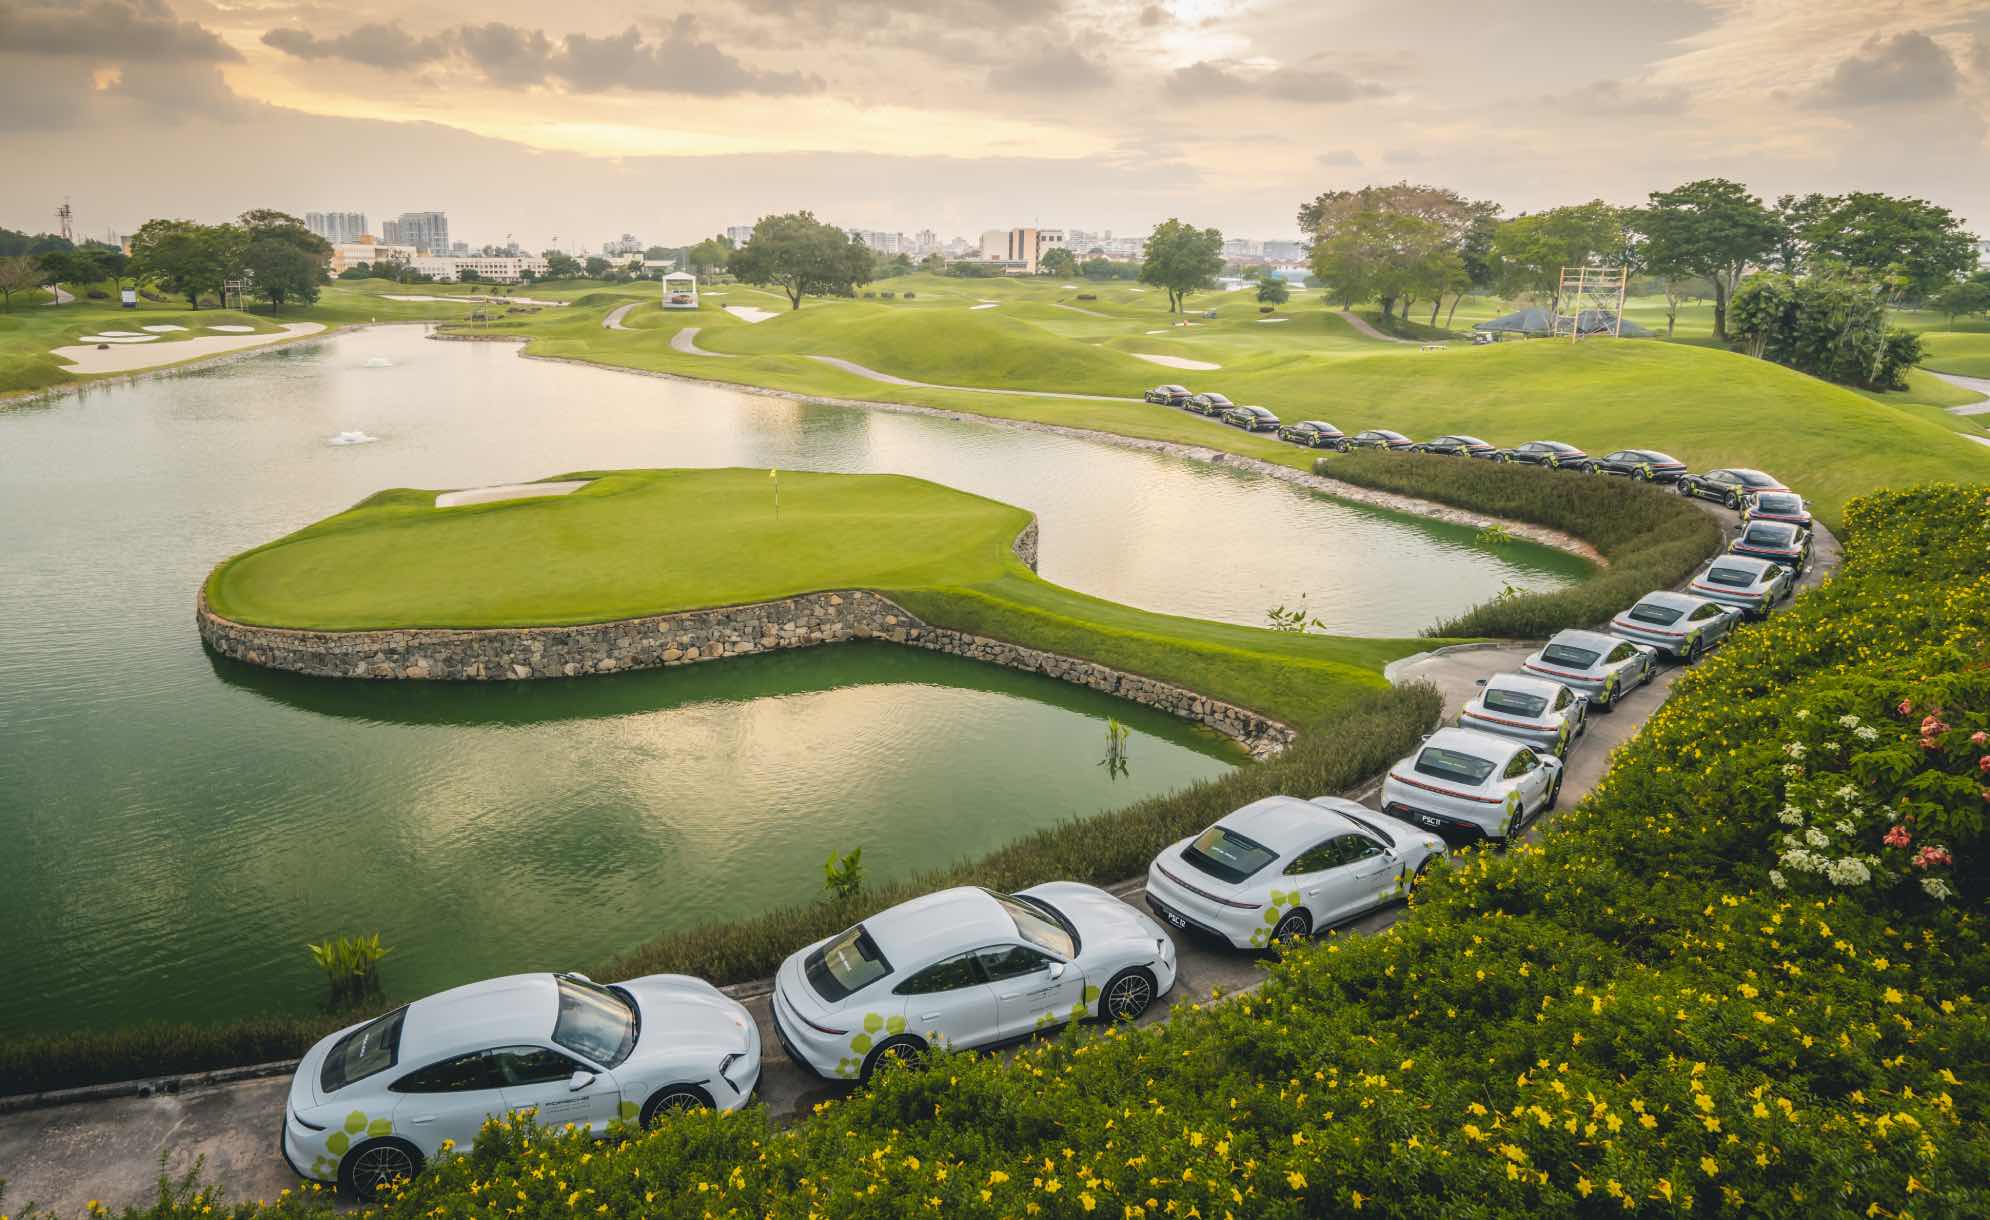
(270, 252)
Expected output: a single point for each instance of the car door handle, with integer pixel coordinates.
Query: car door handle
(929, 1016)
(1012, 995)
(426, 1118)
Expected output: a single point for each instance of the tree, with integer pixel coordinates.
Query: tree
(280, 270)
(185, 257)
(1920, 246)
(1272, 291)
(934, 264)
(598, 267)
(1971, 296)
(1530, 251)
(1181, 259)
(1058, 262)
(469, 275)
(1712, 228)
(1399, 242)
(18, 273)
(708, 255)
(70, 267)
(1829, 324)
(803, 256)
(561, 266)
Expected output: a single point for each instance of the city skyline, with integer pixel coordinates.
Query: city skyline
(967, 114)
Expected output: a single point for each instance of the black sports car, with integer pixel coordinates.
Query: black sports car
(1456, 445)
(1314, 434)
(1644, 465)
(1168, 395)
(1777, 506)
(1251, 419)
(1208, 404)
(1378, 438)
(1552, 454)
(1728, 485)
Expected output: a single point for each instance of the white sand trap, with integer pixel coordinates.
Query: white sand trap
(1136, 290)
(163, 328)
(986, 305)
(350, 438)
(1070, 285)
(1157, 332)
(231, 329)
(124, 359)
(1269, 321)
(507, 491)
(1176, 362)
(750, 313)
(378, 362)
(118, 337)
(123, 334)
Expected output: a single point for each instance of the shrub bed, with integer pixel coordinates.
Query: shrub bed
(1653, 539)
(1631, 1016)
(1373, 731)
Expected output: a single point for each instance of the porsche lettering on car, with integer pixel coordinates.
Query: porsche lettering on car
(1455, 445)
(1785, 506)
(1542, 713)
(1314, 434)
(1283, 867)
(1251, 419)
(1729, 485)
(967, 967)
(1677, 624)
(1745, 582)
(1213, 405)
(1601, 666)
(1642, 465)
(1378, 438)
(1774, 540)
(1552, 454)
(1468, 786)
(373, 1103)
(1168, 395)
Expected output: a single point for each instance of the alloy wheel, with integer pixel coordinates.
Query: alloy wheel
(381, 1166)
(1129, 997)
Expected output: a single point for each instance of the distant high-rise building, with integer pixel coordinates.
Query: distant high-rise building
(1284, 251)
(425, 231)
(739, 235)
(336, 227)
(926, 242)
(1020, 249)
(883, 243)
(1242, 247)
(628, 243)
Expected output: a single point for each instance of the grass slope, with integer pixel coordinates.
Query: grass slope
(644, 542)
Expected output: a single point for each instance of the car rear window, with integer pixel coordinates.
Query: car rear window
(1227, 855)
(1518, 703)
(846, 965)
(1567, 654)
(596, 1022)
(1450, 764)
(372, 1048)
(1754, 478)
(1767, 536)
(1777, 502)
(1733, 578)
(1655, 612)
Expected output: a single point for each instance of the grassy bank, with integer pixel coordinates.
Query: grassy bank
(1652, 1010)
(1653, 539)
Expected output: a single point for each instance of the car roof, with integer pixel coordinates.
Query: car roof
(1785, 494)
(1585, 639)
(1473, 742)
(1748, 470)
(1316, 423)
(1779, 527)
(494, 1012)
(1526, 684)
(1676, 601)
(1651, 453)
(966, 917)
(1750, 563)
(1460, 436)
(1286, 823)
(1553, 444)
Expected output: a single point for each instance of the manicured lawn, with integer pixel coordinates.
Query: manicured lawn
(643, 542)
(1956, 351)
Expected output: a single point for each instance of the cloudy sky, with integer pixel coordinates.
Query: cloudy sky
(673, 119)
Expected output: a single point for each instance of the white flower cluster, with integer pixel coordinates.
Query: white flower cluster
(1849, 721)
(1794, 749)
(1790, 815)
(1936, 888)
(1866, 733)
(1848, 870)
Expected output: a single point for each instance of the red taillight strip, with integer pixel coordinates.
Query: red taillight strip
(1635, 626)
(1242, 906)
(1463, 796)
(1518, 724)
(1559, 673)
(1725, 589)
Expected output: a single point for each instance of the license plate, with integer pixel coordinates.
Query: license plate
(1173, 918)
(1429, 821)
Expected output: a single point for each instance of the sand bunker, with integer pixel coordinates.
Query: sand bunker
(122, 358)
(350, 438)
(118, 337)
(1176, 362)
(985, 305)
(163, 328)
(750, 313)
(1269, 321)
(507, 491)
(230, 328)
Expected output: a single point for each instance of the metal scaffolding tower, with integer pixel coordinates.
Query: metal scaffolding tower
(1590, 303)
(67, 218)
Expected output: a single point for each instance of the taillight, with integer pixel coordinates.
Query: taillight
(820, 1029)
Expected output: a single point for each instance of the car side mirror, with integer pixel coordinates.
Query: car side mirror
(1480, 682)
(579, 1080)
(1056, 971)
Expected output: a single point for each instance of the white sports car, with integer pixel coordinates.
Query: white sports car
(1541, 713)
(1284, 867)
(1745, 582)
(1679, 624)
(965, 968)
(1467, 785)
(1588, 662)
(371, 1104)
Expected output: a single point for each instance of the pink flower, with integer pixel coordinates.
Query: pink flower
(1979, 737)
(1897, 837)
(1931, 856)
(1983, 763)
(1932, 726)
(1906, 706)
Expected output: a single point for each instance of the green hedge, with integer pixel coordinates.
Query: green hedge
(1652, 539)
(1373, 731)
(1630, 1017)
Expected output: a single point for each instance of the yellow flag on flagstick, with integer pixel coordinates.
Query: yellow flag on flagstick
(775, 474)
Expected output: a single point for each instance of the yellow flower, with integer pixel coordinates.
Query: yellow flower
(1296, 1179)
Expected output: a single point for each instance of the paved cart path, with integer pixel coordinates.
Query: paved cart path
(614, 319)
(63, 1156)
(686, 341)
(1980, 385)
(1362, 326)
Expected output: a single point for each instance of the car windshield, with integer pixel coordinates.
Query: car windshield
(373, 1047)
(1734, 578)
(1218, 399)
(1450, 764)
(1777, 502)
(1372, 828)
(1519, 703)
(1754, 478)
(1227, 855)
(595, 1022)
(1039, 924)
(846, 965)
(1655, 612)
(1763, 535)
(1568, 654)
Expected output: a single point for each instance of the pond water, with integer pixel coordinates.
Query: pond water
(179, 825)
